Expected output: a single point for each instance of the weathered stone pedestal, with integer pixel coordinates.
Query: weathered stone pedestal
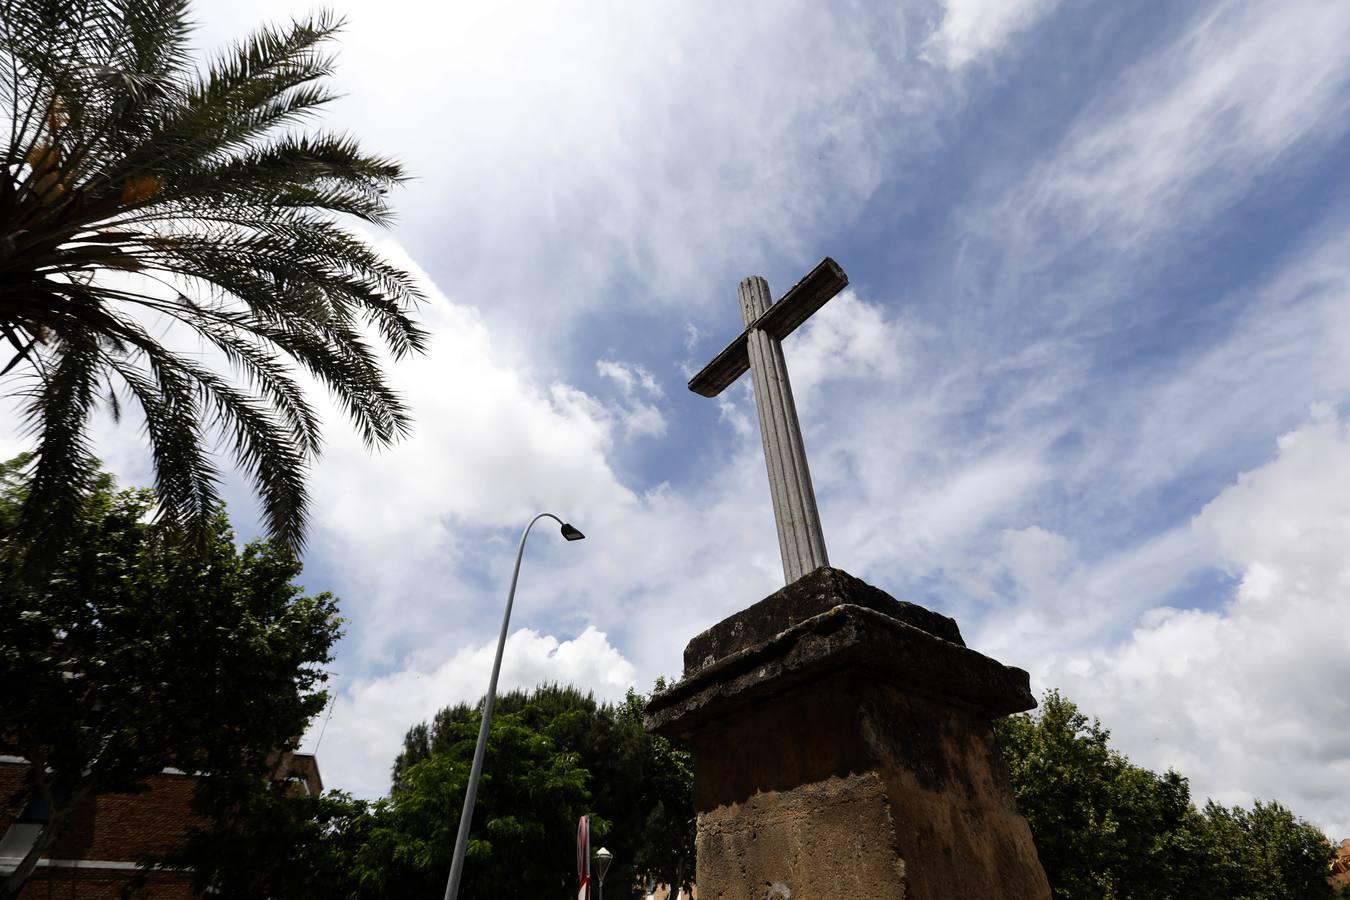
(843, 751)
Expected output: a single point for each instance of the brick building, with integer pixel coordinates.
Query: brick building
(1340, 866)
(96, 855)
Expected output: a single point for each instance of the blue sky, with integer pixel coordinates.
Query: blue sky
(1087, 391)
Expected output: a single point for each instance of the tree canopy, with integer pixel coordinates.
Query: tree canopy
(139, 191)
(263, 839)
(1106, 828)
(554, 754)
(145, 648)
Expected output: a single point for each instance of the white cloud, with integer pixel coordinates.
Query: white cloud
(1247, 699)
(974, 29)
(491, 446)
(692, 336)
(371, 714)
(1188, 131)
(848, 340)
(1254, 374)
(1053, 603)
(630, 377)
(732, 414)
(418, 541)
(637, 159)
(1038, 560)
(673, 146)
(640, 418)
(667, 144)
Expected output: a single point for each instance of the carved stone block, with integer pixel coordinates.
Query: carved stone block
(843, 748)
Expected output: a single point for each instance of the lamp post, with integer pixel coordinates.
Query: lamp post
(602, 860)
(471, 793)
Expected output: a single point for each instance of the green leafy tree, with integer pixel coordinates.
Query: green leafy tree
(267, 840)
(637, 790)
(1110, 829)
(145, 649)
(1267, 852)
(1062, 771)
(530, 796)
(139, 191)
(663, 806)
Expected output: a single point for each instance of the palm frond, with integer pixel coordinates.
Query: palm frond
(63, 465)
(134, 184)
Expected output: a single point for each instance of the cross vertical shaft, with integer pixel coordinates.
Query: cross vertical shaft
(800, 537)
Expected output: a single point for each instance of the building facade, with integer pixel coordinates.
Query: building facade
(96, 855)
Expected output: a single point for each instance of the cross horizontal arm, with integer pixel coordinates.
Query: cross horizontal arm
(725, 368)
(796, 306)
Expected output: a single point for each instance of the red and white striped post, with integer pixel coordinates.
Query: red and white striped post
(584, 859)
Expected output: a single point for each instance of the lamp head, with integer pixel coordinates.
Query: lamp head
(603, 858)
(571, 533)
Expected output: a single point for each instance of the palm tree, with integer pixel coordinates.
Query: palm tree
(139, 190)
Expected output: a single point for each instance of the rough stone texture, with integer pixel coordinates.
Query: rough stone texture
(816, 593)
(799, 832)
(843, 749)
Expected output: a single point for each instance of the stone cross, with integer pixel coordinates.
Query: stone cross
(759, 348)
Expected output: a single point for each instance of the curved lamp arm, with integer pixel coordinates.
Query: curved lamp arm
(480, 749)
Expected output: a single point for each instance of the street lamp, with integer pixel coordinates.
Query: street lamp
(471, 793)
(602, 860)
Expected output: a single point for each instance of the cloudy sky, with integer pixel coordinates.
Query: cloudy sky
(1088, 392)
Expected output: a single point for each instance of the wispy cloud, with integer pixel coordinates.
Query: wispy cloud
(1016, 422)
(1243, 698)
(976, 29)
(365, 731)
(664, 145)
(1182, 137)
